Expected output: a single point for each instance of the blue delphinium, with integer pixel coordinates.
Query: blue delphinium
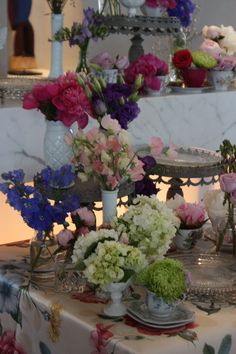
(183, 11)
(35, 208)
(61, 178)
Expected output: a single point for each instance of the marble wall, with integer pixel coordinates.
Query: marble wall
(199, 120)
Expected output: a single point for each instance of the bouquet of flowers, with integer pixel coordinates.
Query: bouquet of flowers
(80, 34)
(183, 11)
(103, 259)
(106, 155)
(64, 100)
(150, 67)
(119, 100)
(149, 224)
(35, 208)
(104, 61)
(220, 42)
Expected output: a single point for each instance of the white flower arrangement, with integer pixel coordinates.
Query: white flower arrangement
(104, 260)
(149, 224)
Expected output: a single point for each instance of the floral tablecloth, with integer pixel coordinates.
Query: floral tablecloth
(46, 322)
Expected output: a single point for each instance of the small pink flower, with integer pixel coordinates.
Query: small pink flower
(97, 165)
(228, 182)
(137, 172)
(121, 62)
(211, 47)
(104, 60)
(124, 238)
(86, 215)
(64, 237)
(114, 144)
(110, 124)
(156, 146)
(112, 182)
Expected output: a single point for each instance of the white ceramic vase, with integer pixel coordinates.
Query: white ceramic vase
(132, 6)
(56, 151)
(220, 80)
(152, 11)
(186, 238)
(158, 306)
(56, 68)
(116, 308)
(109, 205)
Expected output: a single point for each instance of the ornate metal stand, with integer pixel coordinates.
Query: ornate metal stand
(207, 174)
(141, 25)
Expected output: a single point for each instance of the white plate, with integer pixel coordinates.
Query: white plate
(179, 316)
(187, 90)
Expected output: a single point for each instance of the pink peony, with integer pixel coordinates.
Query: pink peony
(82, 231)
(190, 214)
(156, 147)
(86, 215)
(228, 182)
(104, 60)
(64, 237)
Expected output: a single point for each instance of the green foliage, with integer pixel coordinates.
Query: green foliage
(165, 278)
(203, 60)
(228, 153)
(225, 346)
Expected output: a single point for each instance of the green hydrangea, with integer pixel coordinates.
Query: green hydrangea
(165, 278)
(203, 60)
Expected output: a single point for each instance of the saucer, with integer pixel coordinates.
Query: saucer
(187, 90)
(179, 316)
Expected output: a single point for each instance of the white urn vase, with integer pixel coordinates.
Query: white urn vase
(220, 80)
(132, 6)
(56, 151)
(117, 307)
(56, 68)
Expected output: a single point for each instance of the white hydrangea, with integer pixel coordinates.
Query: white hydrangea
(149, 224)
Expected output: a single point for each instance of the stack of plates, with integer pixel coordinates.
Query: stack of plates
(180, 316)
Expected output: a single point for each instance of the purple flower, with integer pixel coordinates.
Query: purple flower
(149, 162)
(145, 187)
(99, 107)
(183, 11)
(16, 176)
(126, 113)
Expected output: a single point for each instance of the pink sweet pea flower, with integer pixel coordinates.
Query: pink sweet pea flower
(156, 146)
(124, 238)
(137, 173)
(112, 182)
(114, 144)
(110, 124)
(228, 182)
(64, 237)
(97, 165)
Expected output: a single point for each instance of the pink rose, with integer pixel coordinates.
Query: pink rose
(156, 147)
(121, 62)
(191, 214)
(104, 60)
(228, 182)
(211, 47)
(212, 32)
(64, 237)
(86, 215)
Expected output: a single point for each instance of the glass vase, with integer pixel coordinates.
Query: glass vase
(109, 205)
(83, 65)
(56, 68)
(42, 260)
(109, 7)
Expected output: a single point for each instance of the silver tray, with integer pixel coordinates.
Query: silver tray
(210, 274)
(190, 90)
(191, 157)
